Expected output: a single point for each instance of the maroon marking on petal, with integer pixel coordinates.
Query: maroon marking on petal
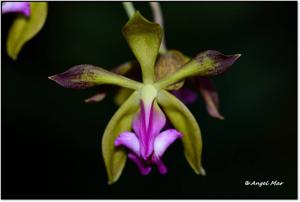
(222, 62)
(78, 77)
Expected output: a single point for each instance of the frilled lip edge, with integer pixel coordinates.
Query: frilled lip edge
(147, 144)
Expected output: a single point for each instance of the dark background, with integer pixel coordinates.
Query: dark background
(51, 138)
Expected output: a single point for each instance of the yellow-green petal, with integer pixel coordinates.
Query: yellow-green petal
(207, 63)
(115, 158)
(25, 28)
(144, 38)
(184, 122)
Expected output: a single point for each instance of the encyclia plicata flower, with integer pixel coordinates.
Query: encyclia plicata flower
(149, 101)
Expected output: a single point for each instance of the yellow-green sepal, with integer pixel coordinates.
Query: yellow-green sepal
(86, 76)
(144, 38)
(25, 28)
(115, 158)
(184, 121)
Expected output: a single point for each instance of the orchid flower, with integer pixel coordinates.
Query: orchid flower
(24, 26)
(143, 112)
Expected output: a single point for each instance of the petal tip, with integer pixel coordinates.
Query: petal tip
(145, 171)
(220, 61)
(13, 56)
(57, 79)
(110, 182)
(51, 77)
(117, 142)
(234, 57)
(25, 10)
(163, 171)
(202, 171)
(221, 118)
(215, 113)
(224, 62)
(78, 77)
(177, 134)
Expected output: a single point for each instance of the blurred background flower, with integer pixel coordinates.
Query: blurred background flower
(16, 7)
(25, 26)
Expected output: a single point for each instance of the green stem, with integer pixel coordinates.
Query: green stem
(129, 8)
(158, 18)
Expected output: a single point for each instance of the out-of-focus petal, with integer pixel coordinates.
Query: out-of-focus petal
(125, 68)
(95, 98)
(143, 167)
(164, 140)
(24, 29)
(128, 140)
(168, 63)
(210, 95)
(186, 95)
(16, 7)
